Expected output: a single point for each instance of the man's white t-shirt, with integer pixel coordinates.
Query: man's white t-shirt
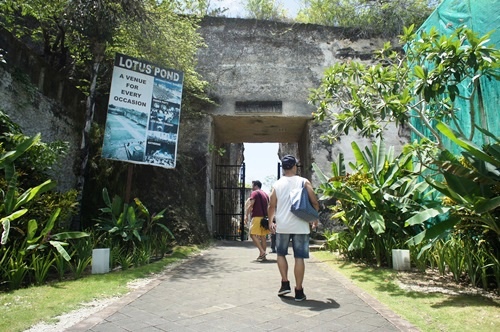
(286, 221)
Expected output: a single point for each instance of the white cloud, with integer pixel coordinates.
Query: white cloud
(261, 161)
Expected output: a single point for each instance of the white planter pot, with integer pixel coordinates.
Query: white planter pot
(401, 259)
(100, 260)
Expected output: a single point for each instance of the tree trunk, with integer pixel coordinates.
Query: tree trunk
(98, 52)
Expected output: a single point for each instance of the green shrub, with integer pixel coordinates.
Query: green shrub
(374, 201)
(29, 234)
(133, 234)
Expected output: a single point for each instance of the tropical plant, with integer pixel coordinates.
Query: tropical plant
(124, 258)
(60, 265)
(58, 241)
(472, 185)
(32, 167)
(339, 241)
(151, 224)
(128, 226)
(81, 255)
(40, 265)
(142, 254)
(31, 254)
(470, 200)
(14, 267)
(374, 200)
(119, 221)
(12, 206)
(420, 90)
(413, 89)
(454, 257)
(17, 202)
(494, 266)
(21, 237)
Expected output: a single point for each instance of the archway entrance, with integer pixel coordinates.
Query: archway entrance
(251, 144)
(233, 187)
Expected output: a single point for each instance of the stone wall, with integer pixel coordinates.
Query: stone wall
(248, 60)
(254, 61)
(260, 75)
(42, 101)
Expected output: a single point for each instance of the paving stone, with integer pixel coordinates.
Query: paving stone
(225, 289)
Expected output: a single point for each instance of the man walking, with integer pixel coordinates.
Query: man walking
(289, 227)
(256, 209)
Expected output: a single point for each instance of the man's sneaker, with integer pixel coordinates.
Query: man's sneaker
(299, 295)
(285, 288)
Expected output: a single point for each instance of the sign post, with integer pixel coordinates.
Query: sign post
(142, 123)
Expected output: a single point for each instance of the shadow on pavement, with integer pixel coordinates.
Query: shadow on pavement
(313, 305)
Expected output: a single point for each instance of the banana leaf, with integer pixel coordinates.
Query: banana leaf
(425, 215)
(465, 144)
(436, 231)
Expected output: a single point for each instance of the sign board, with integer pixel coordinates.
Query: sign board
(144, 108)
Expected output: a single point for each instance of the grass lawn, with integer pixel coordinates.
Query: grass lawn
(23, 308)
(428, 311)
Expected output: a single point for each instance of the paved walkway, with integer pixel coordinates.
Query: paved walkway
(225, 289)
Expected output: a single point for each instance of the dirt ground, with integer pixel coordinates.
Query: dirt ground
(432, 282)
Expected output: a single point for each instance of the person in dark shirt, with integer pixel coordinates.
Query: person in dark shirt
(256, 209)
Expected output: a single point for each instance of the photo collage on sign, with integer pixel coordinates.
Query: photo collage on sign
(144, 108)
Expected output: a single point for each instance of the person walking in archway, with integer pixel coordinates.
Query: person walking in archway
(256, 209)
(289, 227)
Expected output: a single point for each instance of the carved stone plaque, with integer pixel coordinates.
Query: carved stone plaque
(259, 106)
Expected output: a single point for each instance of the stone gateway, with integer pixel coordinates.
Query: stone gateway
(260, 75)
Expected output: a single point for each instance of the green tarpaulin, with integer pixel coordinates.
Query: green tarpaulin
(482, 16)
